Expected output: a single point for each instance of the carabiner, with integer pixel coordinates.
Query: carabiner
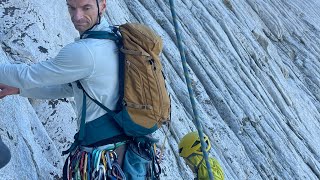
(109, 160)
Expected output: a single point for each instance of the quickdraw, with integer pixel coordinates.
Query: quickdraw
(96, 164)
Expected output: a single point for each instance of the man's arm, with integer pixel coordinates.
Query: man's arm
(49, 92)
(7, 90)
(73, 62)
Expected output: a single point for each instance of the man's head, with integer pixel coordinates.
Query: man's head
(85, 13)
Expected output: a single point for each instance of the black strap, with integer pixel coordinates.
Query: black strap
(83, 118)
(121, 75)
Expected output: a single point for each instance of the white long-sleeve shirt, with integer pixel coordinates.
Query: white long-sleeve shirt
(92, 61)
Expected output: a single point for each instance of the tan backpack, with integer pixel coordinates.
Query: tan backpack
(144, 103)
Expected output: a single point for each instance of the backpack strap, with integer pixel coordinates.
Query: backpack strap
(110, 112)
(116, 37)
(100, 35)
(83, 118)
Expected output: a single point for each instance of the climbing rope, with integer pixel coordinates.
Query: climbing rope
(191, 94)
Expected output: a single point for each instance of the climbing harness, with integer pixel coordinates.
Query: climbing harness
(191, 94)
(100, 163)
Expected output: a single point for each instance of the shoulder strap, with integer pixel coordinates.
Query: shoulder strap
(115, 36)
(110, 112)
(100, 35)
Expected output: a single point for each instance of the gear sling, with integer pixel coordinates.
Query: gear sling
(143, 105)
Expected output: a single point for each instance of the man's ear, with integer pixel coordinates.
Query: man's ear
(103, 6)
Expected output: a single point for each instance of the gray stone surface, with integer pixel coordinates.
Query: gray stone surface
(254, 67)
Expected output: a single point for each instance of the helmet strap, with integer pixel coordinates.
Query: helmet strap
(99, 17)
(97, 23)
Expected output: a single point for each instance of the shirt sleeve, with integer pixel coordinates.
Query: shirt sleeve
(73, 62)
(49, 92)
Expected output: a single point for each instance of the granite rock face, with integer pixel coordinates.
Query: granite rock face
(254, 67)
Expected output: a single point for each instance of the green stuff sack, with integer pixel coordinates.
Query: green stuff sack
(199, 166)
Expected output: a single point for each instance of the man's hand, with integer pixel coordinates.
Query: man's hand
(7, 90)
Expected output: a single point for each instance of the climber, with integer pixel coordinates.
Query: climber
(5, 155)
(87, 70)
(190, 150)
(79, 65)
